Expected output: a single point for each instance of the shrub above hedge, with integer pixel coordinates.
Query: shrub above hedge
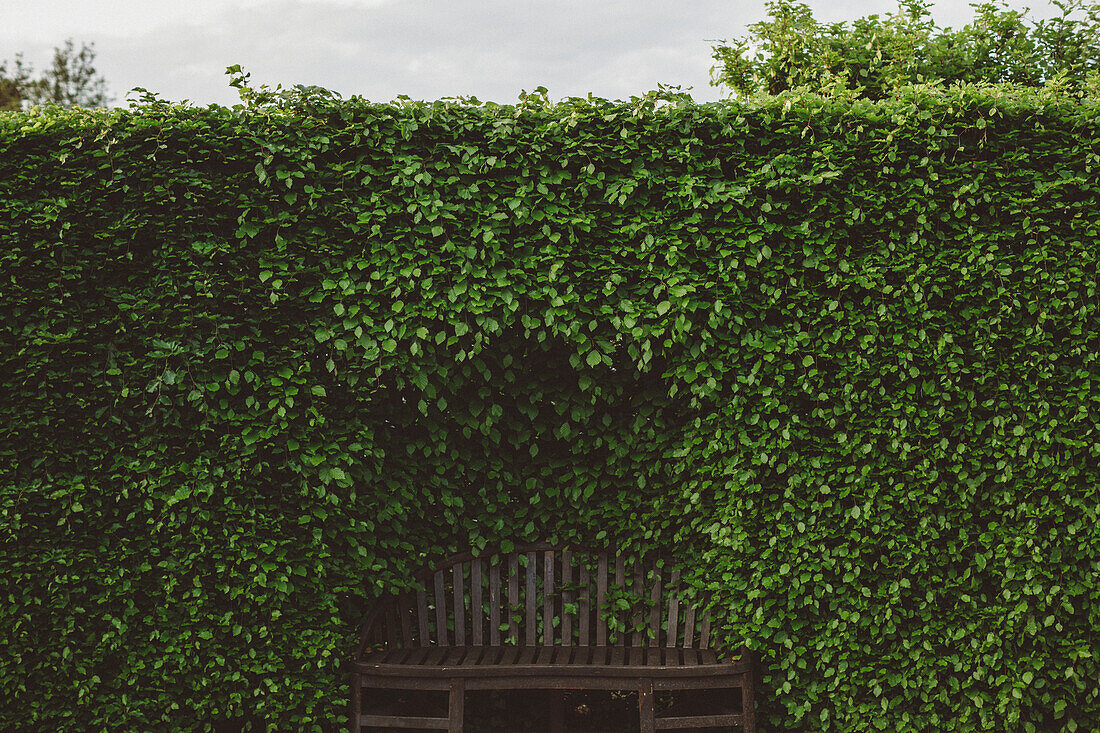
(841, 357)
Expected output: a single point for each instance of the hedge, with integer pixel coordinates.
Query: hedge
(840, 357)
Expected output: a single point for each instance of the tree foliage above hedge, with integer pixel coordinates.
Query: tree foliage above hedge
(876, 55)
(841, 357)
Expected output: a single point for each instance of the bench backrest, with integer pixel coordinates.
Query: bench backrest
(543, 596)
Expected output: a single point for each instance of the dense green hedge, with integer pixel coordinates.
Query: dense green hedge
(842, 357)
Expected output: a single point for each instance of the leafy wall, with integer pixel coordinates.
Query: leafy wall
(842, 358)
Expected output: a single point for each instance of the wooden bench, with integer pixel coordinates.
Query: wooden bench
(546, 618)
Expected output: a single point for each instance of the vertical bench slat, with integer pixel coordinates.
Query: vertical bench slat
(494, 603)
(583, 609)
(655, 606)
(530, 599)
(422, 617)
(672, 632)
(476, 611)
(704, 631)
(459, 604)
(566, 598)
(636, 617)
(620, 585)
(513, 597)
(601, 601)
(548, 598)
(689, 626)
(393, 638)
(404, 611)
(440, 610)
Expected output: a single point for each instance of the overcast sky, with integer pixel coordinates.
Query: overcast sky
(426, 49)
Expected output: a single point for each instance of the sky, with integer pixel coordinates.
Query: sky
(426, 49)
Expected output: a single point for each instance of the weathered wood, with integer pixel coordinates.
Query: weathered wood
(401, 656)
(655, 606)
(393, 634)
(530, 598)
(525, 666)
(551, 679)
(671, 629)
(556, 703)
(555, 681)
(356, 696)
(689, 627)
(476, 610)
(548, 598)
(513, 598)
(494, 604)
(456, 706)
(566, 598)
(620, 586)
(748, 691)
(422, 616)
(601, 601)
(416, 656)
(397, 721)
(508, 656)
(646, 711)
(698, 721)
(405, 612)
(492, 655)
(459, 605)
(444, 648)
(704, 631)
(440, 610)
(583, 607)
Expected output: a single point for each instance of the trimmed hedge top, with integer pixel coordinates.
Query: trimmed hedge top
(841, 357)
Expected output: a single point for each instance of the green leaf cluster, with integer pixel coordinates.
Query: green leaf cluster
(70, 81)
(876, 55)
(840, 358)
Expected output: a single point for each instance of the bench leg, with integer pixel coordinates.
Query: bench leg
(646, 712)
(356, 702)
(748, 693)
(557, 711)
(457, 707)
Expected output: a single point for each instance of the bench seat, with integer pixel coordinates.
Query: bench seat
(506, 660)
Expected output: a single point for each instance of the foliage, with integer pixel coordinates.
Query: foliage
(71, 80)
(876, 55)
(15, 82)
(259, 363)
